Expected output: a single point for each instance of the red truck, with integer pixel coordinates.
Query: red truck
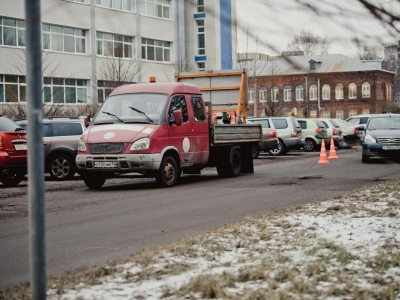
(161, 130)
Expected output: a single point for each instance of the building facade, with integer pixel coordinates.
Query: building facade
(333, 86)
(92, 46)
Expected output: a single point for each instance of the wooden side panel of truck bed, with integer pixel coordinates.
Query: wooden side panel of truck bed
(221, 134)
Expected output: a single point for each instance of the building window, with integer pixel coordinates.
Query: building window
(366, 111)
(299, 93)
(201, 66)
(326, 92)
(115, 4)
(64, 39)
(339, 114)
(263, 94)
(313, 113)
(366, 90)
(251, 95)
(201, 39)
(339, 91)
(64, 90)
(275, 94)
(114, 45)
(200, 6)
(156, 50)
(12, 88)
(12, 32)
(313, 92)
(352, 112)
(155, 8)
(352, 91)
(287, 93)
(326, 114)
(104, 88)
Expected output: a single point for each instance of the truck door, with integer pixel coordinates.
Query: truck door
(180, 136)
(199, 144)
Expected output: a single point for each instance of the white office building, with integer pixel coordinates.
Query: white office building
(91, 46)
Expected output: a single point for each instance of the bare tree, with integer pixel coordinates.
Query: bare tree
(309, 43)
(365, 51)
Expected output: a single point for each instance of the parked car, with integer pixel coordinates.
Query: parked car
(351, 134)
(269, 142)
(60, 137)
(382, 137)
(287, 129)
(334, 132)
(359, 120)
(313, 131)
(13, 152)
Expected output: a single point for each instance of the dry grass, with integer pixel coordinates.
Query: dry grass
(268, 257)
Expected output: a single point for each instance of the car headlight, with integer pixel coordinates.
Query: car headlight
(369, 139)
(141, 144)
(81, 145)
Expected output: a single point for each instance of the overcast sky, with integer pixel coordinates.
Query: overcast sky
(275, 22)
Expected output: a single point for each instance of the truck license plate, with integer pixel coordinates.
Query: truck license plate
(105, 164)
(391, 147)
(21, 147)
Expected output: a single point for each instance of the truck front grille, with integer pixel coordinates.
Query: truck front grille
(106, 148)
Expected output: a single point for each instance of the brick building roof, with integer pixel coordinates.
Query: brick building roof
(328, 63)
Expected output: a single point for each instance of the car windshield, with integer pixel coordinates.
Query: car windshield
(384, 123)
(340, 122)
(8, 125)
(131, 108)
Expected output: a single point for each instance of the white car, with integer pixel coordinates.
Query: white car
(333, 131)
(351, 134)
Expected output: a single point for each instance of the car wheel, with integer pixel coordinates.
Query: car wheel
(168, 173)
(93, 180)
(61, 167)
(365, 158)
(279, 150)
(255, 151)
(12, 178)
(309, 145)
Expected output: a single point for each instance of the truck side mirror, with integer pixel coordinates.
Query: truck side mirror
(177, 116)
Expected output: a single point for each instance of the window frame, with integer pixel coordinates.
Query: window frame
(326, 92)
(366, 90)
(299, 92)
(339, 91)
(287, 93)
(313, 92)
(262, 95)
(146, 44)
(274, 94)
(164, 7)
(352, 90)
(54, 32)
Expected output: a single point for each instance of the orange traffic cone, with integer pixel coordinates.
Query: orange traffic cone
(232, 117)
(332, 150)
(323, 159)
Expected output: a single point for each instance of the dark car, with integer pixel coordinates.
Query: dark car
(13, 152)
(60, 137)
(381, 137)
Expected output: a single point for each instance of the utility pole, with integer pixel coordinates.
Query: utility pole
(37, 243)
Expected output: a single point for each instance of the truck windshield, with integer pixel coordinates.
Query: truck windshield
(131, 108)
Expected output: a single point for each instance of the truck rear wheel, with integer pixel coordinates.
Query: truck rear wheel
(228, 168)
(93, 180)
(168, 173)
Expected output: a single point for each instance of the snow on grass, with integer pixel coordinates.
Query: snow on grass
(343, 248)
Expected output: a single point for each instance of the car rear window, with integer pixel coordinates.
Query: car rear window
(325, 124)
(64, 129)
(303, 124)
(319, 123)
(7, 124)
(280, 123)
(295, 122)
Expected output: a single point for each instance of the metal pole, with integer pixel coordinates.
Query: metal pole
(37, 243)
(138, 43)
(93, 55)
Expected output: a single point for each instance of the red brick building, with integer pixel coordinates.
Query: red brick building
(331, 85)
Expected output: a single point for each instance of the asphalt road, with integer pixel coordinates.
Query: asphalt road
(128, 215)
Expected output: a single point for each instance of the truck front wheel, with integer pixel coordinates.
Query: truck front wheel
(93, 180)
(168, 173)
(231, 168)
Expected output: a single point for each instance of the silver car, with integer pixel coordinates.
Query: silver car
(287, 129)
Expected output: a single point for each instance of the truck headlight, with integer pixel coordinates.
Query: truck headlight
(369, 139)
(141, 144)
(81, 145)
